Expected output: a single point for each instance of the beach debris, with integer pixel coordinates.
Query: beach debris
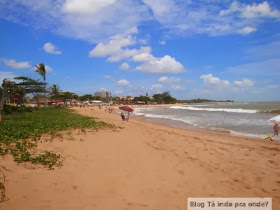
(269, 137)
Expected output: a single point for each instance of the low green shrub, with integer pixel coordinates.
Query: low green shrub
(20, 130)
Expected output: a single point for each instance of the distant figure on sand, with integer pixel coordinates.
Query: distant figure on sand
(122, 116)
(128, 114)
(276, 129)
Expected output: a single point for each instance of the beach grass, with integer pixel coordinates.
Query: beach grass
(19, 132)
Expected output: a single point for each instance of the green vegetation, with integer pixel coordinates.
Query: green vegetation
(20, 131)
(8, 109)
(165, 98)
(145, 99)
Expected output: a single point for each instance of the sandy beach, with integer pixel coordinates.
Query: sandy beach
(141, 165)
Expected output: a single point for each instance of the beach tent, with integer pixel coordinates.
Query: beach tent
(95, 102)
(275, 120)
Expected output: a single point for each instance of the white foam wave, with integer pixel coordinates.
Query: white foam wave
(250, 135)
(169, 117)
(191, 108)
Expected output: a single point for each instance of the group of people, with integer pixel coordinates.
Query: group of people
(110, 109)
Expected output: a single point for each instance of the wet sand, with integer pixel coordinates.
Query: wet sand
(142, 165)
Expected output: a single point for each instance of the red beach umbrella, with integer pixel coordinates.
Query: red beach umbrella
(126, 108)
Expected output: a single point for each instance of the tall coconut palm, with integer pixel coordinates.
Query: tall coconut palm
(55, 91)
(41, 70)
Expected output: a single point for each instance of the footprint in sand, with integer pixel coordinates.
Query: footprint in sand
(272, 162)
(181, 172)
(248, 187)
(176, 192)
(265, 191)
(137, 204)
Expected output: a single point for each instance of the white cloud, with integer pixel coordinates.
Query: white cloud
(50, 48)
(210, 17)
(164, 65)
(269, 50)
(169, 80)
(162, 42)
(143, 41)
(118, 92)
(6, 75)
(252, 11)
(244, 83)
(273, 86)
(90, 20)
(85, 6)
(246, 30)
(209, 80)
(225, 82)
(113, 47)
(156, 87)
(177, 87)
(267, 67)
(107, 77)
(143, 57)
(96, 20)
(127, 53)
(16, 65)
(103, 89)
(48, 68)
(124, 66)
(116, 50)
(123, 83)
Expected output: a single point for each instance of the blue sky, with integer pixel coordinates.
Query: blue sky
(215, 49)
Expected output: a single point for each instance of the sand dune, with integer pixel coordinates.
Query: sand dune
(143, 166)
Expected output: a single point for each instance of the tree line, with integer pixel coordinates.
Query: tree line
(160, 98)
(21, 86)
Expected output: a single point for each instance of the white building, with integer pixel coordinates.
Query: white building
(103, 94)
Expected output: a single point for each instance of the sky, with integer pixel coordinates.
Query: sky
(214, 49)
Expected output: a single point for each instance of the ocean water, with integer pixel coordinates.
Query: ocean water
(236, 118)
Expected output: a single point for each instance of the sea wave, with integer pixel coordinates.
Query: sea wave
(169, 117)
(191, 108)
(249, 135)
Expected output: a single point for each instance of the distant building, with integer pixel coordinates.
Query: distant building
(103, 94)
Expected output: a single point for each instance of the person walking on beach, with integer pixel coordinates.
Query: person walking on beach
(128, 114)
(276, 129)
(122, 116)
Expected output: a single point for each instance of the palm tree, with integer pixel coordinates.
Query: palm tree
(55, 91)
(41, 70)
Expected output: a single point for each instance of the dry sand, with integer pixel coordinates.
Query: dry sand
(143, 166)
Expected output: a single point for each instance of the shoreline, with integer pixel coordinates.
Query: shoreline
(142, 165)
(184, 125)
